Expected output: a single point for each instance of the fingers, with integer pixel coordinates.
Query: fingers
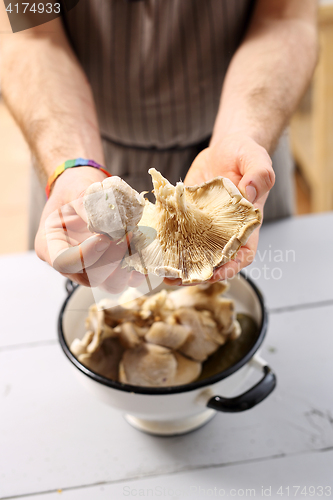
(101, 270)
(70, 249)
(79, 208)
(74, 259)
(107, 264)
(244, 257)
(258, 175)
(172, 282)
(136, 279)
(199, 170)
(79, 278)
(117, 282)
(226, 272)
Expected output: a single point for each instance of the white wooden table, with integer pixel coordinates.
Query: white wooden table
(56, 439)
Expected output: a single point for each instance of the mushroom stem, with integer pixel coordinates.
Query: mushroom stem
(169, 196)
(180, 199)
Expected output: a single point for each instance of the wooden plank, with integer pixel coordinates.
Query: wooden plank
(302, 144)
(311, 134)
(323, 122)
(301, 476)
(325, 13)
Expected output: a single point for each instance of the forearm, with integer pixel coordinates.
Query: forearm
(269, 73)
(49, 96)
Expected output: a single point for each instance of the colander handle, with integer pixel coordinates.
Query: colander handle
(248, 399)
(70, 286)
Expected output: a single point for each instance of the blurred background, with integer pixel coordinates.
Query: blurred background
(311, 134)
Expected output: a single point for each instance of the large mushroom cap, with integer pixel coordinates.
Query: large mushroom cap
(198, 228)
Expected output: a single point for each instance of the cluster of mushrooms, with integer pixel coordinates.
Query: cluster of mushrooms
(162, 340)
(158, 340)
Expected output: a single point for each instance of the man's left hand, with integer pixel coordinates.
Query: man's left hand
(249, 167)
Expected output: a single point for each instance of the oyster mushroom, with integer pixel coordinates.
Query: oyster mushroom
(115, 313)
(156, 305)
(198, 228)
(132, 299)
(78, 346)
(187, 370)
(190, 296)
(148, 365)
(96, 322)
(152, 365)
(112, 207)
(104, 361)
(204, 338)
(158, 340)
(236, 330)
(167, 335)
(128, 335)
(208, 298)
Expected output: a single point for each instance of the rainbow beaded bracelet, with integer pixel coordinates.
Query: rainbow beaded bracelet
(79, 162)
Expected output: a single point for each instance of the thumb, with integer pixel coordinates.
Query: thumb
(258, 176)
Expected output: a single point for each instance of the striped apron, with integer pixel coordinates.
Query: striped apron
(156, 68)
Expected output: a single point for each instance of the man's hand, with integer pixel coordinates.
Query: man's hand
(249, 167)
(64, 241)
(264, 82)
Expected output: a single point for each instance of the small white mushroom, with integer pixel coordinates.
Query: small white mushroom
(112, 207)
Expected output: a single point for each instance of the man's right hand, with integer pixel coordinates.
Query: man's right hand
(64, 241)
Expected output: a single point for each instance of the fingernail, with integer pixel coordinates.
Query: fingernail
(251, 193)
(102, 245)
